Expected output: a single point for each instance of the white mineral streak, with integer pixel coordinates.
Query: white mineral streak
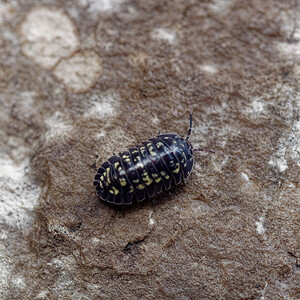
(260, 226)
(168, 35)
(102, 106)
(209, 68)
(245, 177)
(101, 5)
(58, 126)
(18, 195)
(221, 7)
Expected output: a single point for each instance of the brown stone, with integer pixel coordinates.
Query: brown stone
(232, 231)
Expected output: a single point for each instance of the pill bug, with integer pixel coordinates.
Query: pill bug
(147, 169)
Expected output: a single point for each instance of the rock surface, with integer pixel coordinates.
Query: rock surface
(81, 79)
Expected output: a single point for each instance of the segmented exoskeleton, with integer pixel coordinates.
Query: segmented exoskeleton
(146, 170)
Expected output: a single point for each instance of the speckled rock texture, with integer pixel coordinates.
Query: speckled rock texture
(81, 79)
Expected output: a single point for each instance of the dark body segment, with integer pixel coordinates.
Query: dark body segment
(181, 150)
(126, 186)
(132, 175)
(157, 185)
(145, 170)
(142, 172)
(169, 158)
(112, 184)
(103, 188)
(115, 183)
(159, 164)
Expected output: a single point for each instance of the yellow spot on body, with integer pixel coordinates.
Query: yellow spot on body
(154, 175)
(116, 191)
(163, 173)
(136, 158)
(120, 168)
(140, 186)
(159, 144)
(125, 156)
(135, 181)
(127, 160)
(142, 150)
(116, 164)
(135, 151)
(130, 189)
(176, 171)
(147, 179)
(157, 180)
(111, 191)
(101, 185)
(103, 179)
(174, 142)
(167, 176)
(184, 165)
(151, 150)
(123, 181)
(108, 179)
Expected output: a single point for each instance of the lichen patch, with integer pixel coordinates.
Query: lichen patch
(79, 72)
(47, 35)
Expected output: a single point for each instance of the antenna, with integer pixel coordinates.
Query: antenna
(190, 131)
(191, 123)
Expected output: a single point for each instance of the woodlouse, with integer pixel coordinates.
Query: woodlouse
(146, 169)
